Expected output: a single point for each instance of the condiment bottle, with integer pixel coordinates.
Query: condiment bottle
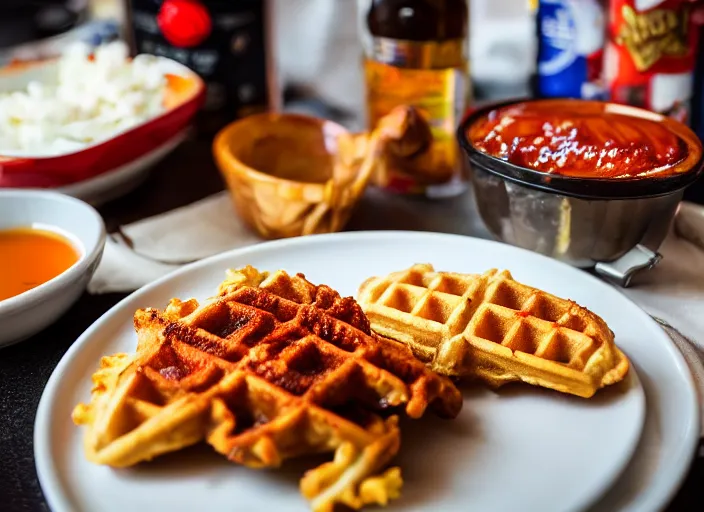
(416, 53)
(228, 43)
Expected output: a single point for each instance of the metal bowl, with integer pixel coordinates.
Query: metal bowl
(616, 225)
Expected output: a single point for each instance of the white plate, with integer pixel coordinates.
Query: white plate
(28, 313)
(519, 449)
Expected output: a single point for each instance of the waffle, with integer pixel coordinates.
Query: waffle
(492, 328)
(271, 368)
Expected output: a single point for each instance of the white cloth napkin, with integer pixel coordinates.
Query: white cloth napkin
(674, 289)
(163, 243)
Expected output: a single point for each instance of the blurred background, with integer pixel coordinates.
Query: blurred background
(317, 51)
(310, 56)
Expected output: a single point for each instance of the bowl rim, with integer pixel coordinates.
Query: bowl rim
(228, 163)
(579, 187)
(75, 271)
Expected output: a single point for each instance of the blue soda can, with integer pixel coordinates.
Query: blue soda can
(571, 38)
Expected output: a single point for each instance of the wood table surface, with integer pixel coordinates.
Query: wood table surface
(185, 176)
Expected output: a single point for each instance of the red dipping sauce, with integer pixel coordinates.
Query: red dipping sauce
(585, 139)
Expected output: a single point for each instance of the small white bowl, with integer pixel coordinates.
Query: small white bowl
(28, 313)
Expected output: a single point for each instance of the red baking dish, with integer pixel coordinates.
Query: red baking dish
(184, 96)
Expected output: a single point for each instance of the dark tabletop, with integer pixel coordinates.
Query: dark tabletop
(186, 175)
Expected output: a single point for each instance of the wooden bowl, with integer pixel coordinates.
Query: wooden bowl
(290, 175)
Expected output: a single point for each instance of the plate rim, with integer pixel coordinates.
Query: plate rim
(56, 496)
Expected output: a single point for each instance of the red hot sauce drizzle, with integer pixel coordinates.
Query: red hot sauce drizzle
(581, 142)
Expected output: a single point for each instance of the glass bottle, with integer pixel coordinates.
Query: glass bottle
(416, 53)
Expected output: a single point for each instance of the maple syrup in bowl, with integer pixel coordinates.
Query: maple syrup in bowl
(50, 246)
(582, 181)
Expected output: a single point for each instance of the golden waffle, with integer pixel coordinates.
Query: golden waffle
(493, 328)
(272, 368)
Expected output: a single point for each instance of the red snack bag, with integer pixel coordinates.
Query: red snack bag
(650, 54)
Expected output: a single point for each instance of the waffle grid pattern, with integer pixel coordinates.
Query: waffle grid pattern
(491, 327)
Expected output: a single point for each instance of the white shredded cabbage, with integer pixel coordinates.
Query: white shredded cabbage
(91, 101)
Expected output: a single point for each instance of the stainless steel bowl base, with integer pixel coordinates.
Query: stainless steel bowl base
(578, 231)
(614, 226)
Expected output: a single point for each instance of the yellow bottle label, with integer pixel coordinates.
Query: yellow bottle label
(433, 77)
